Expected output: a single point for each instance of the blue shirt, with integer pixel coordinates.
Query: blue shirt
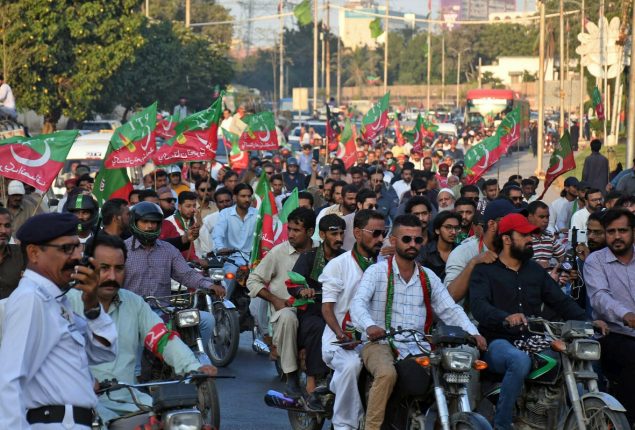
(231, 231)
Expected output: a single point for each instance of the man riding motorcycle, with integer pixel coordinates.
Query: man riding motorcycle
(134, 320)
(400, 293)
(152, 263)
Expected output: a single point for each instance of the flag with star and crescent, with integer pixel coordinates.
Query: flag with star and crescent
(36, 161)
(561, 161)
(133, 143)
(376, 120)
(260, 133)
(195, 138)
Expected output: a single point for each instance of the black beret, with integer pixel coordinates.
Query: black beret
(46, 227)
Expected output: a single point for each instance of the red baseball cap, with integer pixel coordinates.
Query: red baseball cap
(516, 222)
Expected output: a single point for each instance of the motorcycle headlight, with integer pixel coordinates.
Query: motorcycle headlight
(187, 318)
(217, 275)
(584, 349)
(185, 419)
(457, 361)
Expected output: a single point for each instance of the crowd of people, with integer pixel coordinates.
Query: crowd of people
(395, 240)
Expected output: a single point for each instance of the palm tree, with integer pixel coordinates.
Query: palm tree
(359, 63)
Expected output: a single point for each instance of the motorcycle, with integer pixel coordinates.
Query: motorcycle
(175, 405)
(442, 404)
(183, 316)
(551, 397)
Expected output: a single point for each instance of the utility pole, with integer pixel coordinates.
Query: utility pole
(188, 9)
(323, 57)
(315, 54)
(442, 67)
(328, 50)
(562, 66)
(582, 89)
(147, 8)
(339, 71)
(480, 64)
(541, 89)
(281, 53)
(386, 49)
(429, 57)
(458, 78)
(630, 137)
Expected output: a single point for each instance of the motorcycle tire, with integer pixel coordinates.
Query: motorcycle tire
(469, 421)
(305, 421)
(600, 416)
(223, 345)
(208, 403)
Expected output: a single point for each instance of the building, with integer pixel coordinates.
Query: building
(475, 10)
(354, 21)
(510, 70)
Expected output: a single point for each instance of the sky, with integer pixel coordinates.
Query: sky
(265, 31)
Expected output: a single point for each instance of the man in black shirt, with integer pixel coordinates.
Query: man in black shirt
(310, 320)
(501, 295)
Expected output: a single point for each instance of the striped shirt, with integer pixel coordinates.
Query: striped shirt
(408, 310)
(546, 247)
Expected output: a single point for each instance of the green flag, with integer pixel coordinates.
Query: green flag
(375, 28)
(596, 98)
(111, 183)
(291, 204)
(303, 13)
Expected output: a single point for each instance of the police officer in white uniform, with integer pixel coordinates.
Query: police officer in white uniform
(45, 349)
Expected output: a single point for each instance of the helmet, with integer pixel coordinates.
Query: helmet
(173, 169)
(84, 202)
(145, 211)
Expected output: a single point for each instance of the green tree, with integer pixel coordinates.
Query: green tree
(66, 50)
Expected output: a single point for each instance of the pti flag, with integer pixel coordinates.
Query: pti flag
(195, 138)
(282, 231)
(165, 126)
(260, 133)
(347, 149)
(133, 143)
(509, 130)
(376, 120)
(399, 139)
(111, 184)
(561, 161)
(596, 98)
(36, 161)
(333, 129)
(264, 233)
(238, 159)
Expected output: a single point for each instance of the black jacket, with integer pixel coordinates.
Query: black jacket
(496, 292)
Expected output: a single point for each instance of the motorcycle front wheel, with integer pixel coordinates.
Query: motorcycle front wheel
(469, 421)
(305, 421)
(599, 417)
(223, 345)
(208, 403)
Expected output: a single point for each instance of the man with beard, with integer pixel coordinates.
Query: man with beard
(134, 320)
(311, 323)
(223, 199)
(365, 199)
(501, 294)
(596, 240)
(161, 179)
(490, 191)
(182, 222)
(445, 200)
(20, 209)
(115, 216)
(434, 254)
(11, 258)
(594, 203)
(421, 207)
(340, 280)
(403, 185)
(205, 202)
(348, 201)
(387, 200)
(267, 281)
(609, 275)
(400, 293)
(167, 201)
(466, 208)
(46, 348)
(197, 171)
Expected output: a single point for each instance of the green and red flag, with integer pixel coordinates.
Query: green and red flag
(509, 130)
(133, 143)
(112, 184)
(195, 138)
(36, 161)
(376, 120)
(333, 129)
(263, 190)
(561, 161)
(399, 139)
(264, 234)
(415, 136)
(291, 204)
(480, 158)
(165, 126)
(347, 149)
(238, 160)
(428, 125)
(260, 133)
(598, 106)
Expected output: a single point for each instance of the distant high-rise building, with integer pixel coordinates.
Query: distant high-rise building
(473, 10)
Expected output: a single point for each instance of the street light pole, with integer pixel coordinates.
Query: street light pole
(281, 89)
(442, 67)
(187, 13)
(328, 50)
(541, 90)
(386, 49)
(630, 139)
(429, 62)
(562, 67)
(582, 89)
(315, 54)
(458, 77)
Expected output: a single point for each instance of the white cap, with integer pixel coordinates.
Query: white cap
(16, 187)
(173, 169)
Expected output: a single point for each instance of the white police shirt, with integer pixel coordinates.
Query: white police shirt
(45, 352)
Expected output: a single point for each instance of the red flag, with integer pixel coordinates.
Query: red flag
(347, 148)
(165, 126)
(561, 161)
(134, 142)
(375, 121)
(399, 139)
(260, 134)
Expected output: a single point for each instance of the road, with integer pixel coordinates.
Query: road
(242, 404)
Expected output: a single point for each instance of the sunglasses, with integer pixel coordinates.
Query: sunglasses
(419, 193)
(407, 239)
(66, 248)
(203, 189)
(377, 233)
(268, 173)
(517, 199)
(169, 200)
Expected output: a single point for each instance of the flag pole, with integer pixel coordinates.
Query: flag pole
(315, 55)
(39, 202)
